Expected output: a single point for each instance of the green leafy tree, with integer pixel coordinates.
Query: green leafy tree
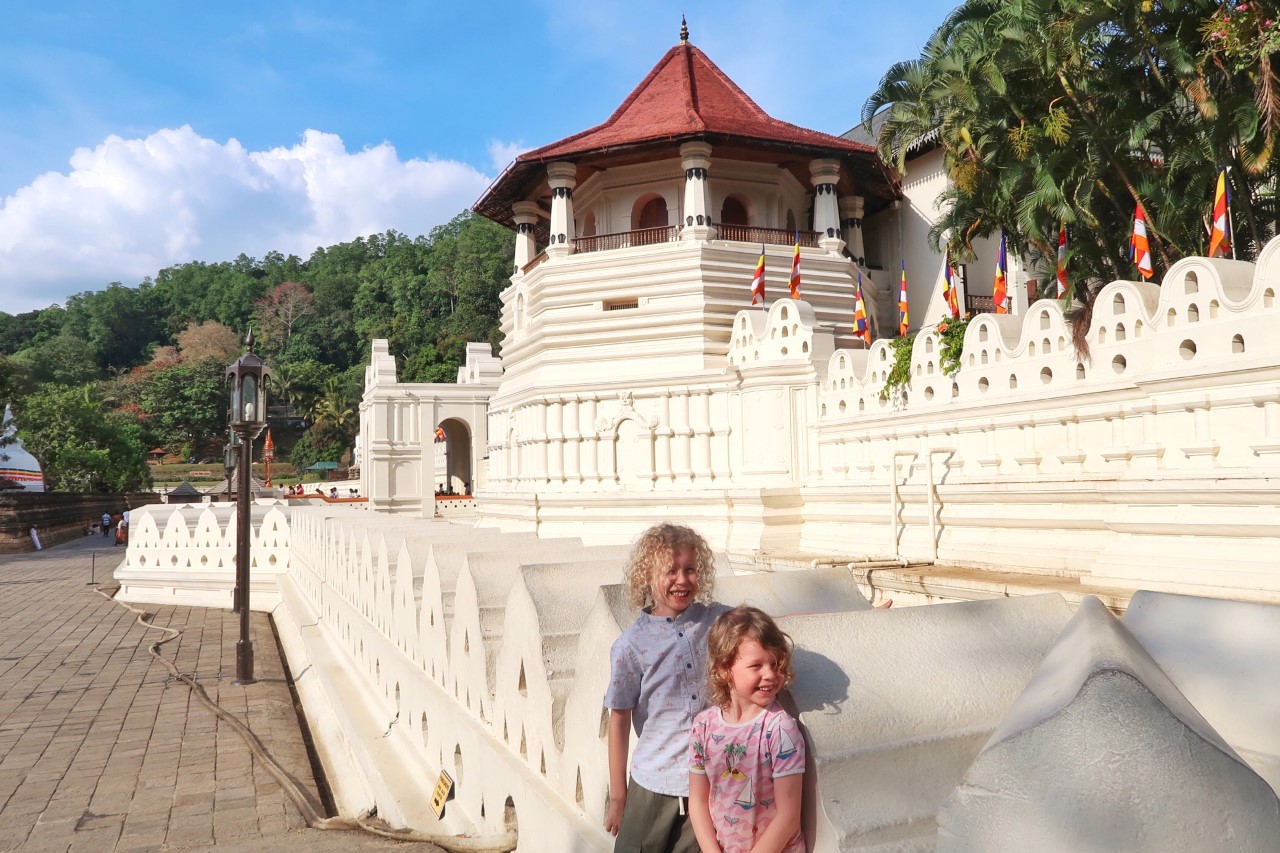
(61, 360)
(185, 405)
(81, 446)
(1075, 111)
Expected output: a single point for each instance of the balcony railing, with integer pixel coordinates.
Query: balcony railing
(625, 239)
(979, 304)
(671, 233)
(771, 236)
(537, 259)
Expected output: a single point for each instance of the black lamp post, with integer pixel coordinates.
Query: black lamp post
(248, 417)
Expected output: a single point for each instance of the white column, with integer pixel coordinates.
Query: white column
(663, 451)
(555, 441)
(573, 442)
(590, 446)
(701, 423)
(826, 210)
(562, 177)
(851, 210)
(526, 217)
(681, 436)
(695, 157)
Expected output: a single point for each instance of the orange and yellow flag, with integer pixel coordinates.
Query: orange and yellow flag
(1000, 289)
(1139, 247)
(757, 283)
(795, 270)
(861, 327)
(904, 316)
(1220, 234)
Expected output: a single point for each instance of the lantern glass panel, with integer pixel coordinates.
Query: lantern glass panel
(249, 398)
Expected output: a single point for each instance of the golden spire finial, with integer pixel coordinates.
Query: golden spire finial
(684, 30)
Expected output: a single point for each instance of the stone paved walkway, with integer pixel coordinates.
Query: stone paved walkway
(101, 750)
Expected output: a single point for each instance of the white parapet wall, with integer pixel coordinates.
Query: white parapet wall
(186, 555)
(424, 646)
(1130, 466)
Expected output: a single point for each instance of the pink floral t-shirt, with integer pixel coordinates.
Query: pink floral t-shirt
(741, 760)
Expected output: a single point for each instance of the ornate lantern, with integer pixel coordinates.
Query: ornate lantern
(248, 390)
(248, 416)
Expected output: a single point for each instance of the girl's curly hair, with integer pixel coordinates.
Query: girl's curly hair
(651, 556)
(728, 632)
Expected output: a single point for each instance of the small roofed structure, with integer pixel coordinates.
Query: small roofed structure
(256, 486)
(185, 494)
(16, 464)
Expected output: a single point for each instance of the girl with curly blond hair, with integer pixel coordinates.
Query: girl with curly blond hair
(746, 754)
(657, 683)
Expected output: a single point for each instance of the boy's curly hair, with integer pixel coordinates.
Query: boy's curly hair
(728, 632)
(651, 555)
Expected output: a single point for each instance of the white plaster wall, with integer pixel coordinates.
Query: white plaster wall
(186, 555)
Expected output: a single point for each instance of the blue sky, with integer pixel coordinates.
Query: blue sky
(140, 135)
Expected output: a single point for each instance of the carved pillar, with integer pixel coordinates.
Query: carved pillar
(663, 450)
(826, 210)
(695, 157)
(701, 424)
(573, 441)
(526, 217)
(555, 441)
(562, 177)
(851, 211)
(681, 433)
(590, 445)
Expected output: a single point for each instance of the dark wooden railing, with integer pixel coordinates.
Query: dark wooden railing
(772, 236)
(625, 239)
(537, 259)
(979, 304)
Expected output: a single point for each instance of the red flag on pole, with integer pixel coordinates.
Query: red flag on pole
(757, 283)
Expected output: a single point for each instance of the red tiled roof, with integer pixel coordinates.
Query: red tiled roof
(684, 95)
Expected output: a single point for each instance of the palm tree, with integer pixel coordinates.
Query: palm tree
(333, 406)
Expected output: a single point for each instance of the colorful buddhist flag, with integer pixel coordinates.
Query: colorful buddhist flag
(1064, 287)
(861, 327)
(904, 316)
(949, 286)
(757, 283)
(1000, 289)
(1220, 234)
(1139, 248)
(795, 270)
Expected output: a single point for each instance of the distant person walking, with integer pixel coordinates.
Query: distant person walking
(106, 524)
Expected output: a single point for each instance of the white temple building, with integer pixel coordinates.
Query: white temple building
(16, 463)
(1012, 498)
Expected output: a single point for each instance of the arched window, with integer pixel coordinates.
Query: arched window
(654, 213)
(734, 212)
(791, 220)
(589, 225)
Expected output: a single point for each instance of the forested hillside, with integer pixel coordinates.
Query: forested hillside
(114, 373)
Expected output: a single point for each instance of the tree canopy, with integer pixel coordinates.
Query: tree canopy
(150, 359)
(1074, 111)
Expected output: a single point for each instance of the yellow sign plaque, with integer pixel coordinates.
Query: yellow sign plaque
(442, 794)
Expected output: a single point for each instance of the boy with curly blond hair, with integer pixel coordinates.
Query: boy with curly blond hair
(657, 683)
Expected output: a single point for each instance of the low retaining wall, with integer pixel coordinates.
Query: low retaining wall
(57, 516)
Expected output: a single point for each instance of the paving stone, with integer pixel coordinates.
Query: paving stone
(101, 750)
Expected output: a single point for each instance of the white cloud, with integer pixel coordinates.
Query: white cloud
(502, 153)
(129, 207)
